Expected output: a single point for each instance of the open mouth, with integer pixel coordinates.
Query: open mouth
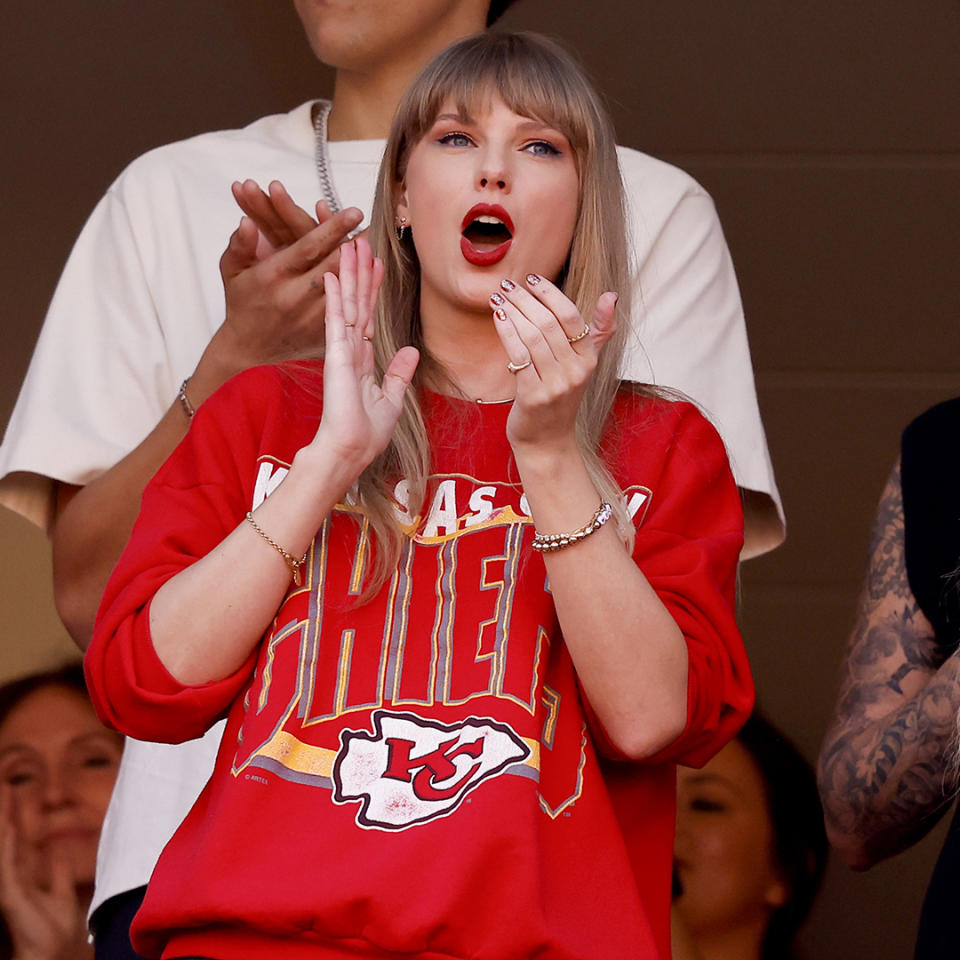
(486, 234)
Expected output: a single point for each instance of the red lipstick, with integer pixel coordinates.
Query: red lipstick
(485, 256)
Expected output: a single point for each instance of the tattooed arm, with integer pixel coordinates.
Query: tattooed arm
(885, 776)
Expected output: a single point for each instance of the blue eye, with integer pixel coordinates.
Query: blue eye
(543, 148)
(456, 140)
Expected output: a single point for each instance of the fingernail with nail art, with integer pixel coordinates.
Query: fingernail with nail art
(507, 285)
(533, 279)
(500, 314)
(497, 300)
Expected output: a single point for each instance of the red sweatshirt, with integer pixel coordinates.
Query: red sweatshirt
(417, 776)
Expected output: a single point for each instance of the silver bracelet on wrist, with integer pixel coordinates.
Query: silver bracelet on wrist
(549, 542)
(185, 400)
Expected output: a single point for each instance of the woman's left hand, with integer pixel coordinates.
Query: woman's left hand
(536, 322)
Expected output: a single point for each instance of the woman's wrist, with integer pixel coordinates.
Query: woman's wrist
(546, 460)
(321, 475)
(559, 490)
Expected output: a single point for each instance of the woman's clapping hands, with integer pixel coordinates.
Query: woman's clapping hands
(536, 322)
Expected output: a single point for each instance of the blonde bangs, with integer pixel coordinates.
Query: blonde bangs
(534, 77)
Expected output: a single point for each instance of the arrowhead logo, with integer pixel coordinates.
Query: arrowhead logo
(410, 770)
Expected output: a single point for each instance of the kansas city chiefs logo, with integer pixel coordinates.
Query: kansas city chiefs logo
(410, 770)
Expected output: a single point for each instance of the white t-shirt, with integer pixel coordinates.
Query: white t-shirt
(141, 296)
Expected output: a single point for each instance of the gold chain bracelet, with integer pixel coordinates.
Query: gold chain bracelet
(292, 562)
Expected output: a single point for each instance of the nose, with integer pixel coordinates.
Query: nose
(57, 791)
(493, 170)
(499, 181)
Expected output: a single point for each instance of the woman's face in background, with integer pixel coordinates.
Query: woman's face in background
(723, 851)
(58, 765)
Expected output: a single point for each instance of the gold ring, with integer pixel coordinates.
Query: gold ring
(580, 335)
(368, 339)
(517, 367)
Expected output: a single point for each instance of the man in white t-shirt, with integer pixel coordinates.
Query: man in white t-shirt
(140, 309)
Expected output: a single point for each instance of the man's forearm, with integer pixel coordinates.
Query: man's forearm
(885, 783)
(93, 524)
(886, 774)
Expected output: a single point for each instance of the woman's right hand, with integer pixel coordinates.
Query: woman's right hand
(359, 413)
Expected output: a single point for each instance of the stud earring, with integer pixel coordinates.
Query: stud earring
(401, 228)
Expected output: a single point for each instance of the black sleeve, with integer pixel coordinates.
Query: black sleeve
(930, 479)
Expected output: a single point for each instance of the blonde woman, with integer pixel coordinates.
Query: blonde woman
(431, 577)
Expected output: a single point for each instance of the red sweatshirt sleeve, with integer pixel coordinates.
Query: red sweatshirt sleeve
(198, 497)
(688, 545)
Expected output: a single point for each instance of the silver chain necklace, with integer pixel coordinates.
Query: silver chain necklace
(321, 112)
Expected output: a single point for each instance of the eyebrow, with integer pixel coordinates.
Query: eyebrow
(532, 124)
(93, 736)
(105, 736)
(528, 124)
(701, 779)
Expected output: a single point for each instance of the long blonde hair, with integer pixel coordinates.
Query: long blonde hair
(534, 78)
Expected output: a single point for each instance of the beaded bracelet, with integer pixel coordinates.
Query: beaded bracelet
(292, 562)
(185, 400)
(547, 543)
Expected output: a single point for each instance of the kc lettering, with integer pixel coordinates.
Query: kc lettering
(432, 768)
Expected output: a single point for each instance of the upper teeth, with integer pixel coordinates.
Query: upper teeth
(489, 219)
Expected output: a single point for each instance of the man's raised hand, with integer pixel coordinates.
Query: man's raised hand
(272, 273)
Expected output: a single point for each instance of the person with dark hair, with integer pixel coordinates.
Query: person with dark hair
(497, 9)
(57, 769)
(138, 335)
(430, 578)
(889, 765)
(750, 849)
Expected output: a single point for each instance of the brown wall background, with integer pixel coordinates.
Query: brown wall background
(828, 135)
